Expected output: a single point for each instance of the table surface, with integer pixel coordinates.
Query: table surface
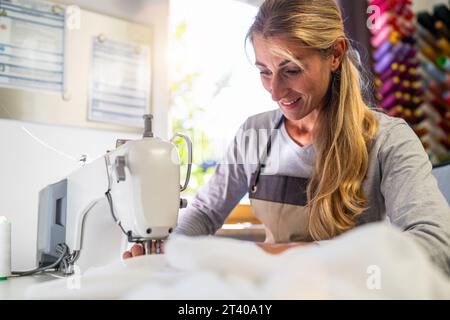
(14, 288)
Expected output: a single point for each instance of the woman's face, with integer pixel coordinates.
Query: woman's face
(298, 91)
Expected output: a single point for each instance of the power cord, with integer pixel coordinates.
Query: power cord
(111, 209)
(61, 263)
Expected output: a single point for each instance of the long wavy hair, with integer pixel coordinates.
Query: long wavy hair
(345, 125)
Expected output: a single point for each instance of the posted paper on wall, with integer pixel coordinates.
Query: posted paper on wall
(32, 45)
(120, 82)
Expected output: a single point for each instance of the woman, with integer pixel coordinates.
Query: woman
(331, 163)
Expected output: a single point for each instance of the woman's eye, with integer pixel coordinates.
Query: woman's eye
(264, 72)
(293, 72)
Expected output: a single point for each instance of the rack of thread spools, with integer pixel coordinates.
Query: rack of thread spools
(433, 42)
(403, 73)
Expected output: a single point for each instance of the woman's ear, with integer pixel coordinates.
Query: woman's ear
(337, 53)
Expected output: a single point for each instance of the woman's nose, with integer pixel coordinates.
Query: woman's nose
(278, 88)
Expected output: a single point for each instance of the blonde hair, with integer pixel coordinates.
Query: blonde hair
(345, 124)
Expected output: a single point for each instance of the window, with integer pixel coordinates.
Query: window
(214, 84)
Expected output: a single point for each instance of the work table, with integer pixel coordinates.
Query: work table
(14, 288)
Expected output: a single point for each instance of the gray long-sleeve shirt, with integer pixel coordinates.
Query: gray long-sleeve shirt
(399, 184)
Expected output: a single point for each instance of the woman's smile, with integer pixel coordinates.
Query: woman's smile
(290, 103)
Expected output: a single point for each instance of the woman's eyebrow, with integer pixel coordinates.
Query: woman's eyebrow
(284, 62)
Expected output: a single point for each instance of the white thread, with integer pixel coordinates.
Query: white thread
(49, 146)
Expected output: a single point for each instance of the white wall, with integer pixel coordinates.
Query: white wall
(26, 165)
(419, 5)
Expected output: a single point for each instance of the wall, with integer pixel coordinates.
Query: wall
(154, 13)
(27, 165)
(419, 5)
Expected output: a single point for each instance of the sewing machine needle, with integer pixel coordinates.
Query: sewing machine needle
(157, 246)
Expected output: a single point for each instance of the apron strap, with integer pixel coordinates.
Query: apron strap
(261, 162)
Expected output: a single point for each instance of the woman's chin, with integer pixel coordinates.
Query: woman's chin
(293, 114)
(297, 112)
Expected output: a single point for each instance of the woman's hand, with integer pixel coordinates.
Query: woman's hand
(276, 248)
(138, 250)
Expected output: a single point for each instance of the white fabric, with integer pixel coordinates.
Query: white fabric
(218, 268)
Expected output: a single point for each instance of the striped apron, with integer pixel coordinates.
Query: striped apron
(279, 202)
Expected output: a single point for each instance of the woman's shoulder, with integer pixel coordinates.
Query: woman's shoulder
(263, 120)
(392, 131)
(387, 123)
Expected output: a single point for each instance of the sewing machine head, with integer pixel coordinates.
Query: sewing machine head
(139, 186)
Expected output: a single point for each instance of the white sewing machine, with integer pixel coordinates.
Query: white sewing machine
(132, 192)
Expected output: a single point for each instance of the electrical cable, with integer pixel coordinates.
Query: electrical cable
(61, 248)
(117, 221)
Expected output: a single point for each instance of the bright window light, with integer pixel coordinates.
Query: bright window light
(215, 85)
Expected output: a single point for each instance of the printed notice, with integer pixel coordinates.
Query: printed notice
(32, 45)
(120, 82)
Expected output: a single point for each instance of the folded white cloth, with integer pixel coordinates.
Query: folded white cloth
(375, 261)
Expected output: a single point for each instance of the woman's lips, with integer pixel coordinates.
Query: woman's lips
(290, 104)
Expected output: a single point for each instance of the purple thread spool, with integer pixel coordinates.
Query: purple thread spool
(381, 51)
(391, 72)
(410, 53)
(391, 100)
(406, 52)
(389, 86)
(382, 65)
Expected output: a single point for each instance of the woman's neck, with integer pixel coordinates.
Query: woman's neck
(302, 131)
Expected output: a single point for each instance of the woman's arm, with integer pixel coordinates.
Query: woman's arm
(214, 202)
(412, 198)
(217, 198)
